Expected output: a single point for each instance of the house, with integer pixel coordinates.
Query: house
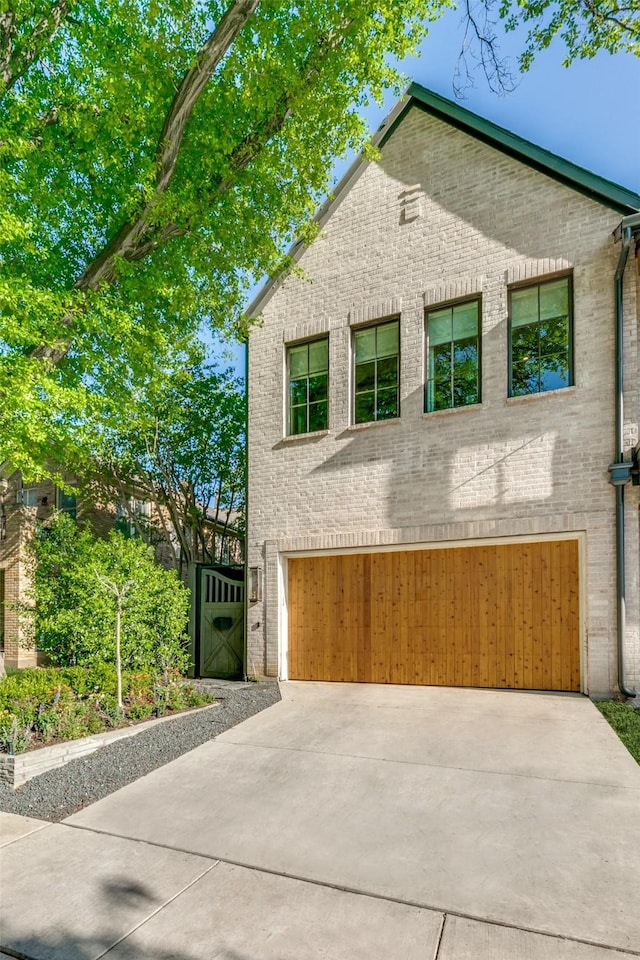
(23, 505)
(443, 422)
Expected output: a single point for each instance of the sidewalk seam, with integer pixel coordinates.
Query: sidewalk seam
(627, 951)
(439, 943)
(9, 843)
(157, 910)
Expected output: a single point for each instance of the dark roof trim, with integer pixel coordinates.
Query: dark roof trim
(595, 187)
(590, 184)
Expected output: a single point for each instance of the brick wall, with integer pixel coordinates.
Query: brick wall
(440, 217)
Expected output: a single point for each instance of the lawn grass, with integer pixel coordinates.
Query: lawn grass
(625, 720)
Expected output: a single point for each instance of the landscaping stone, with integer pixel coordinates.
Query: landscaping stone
(17, 769)
(60, 792)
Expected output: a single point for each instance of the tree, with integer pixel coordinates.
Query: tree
(181, 447)
(155, 158)
(585, 27)
(119, 591)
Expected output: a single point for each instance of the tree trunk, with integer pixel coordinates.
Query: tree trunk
(118, 657)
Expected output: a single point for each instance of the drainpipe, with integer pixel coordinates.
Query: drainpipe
(245, 658)
(620, 471)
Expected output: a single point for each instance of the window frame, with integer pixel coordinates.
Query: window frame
(537, 283)
(124, 522)
(434, 308)
(288, 405)
(69, 511)
(375, 325)
(30, 496)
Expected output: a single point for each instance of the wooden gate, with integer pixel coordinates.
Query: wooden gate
(221, 622)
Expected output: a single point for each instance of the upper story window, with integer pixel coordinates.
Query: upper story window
(377, 372)
(453, 365)
(308, 374)
(66, 502)
(127, 515)
(540, 337)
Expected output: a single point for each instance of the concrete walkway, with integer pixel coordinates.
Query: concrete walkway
(351, 822)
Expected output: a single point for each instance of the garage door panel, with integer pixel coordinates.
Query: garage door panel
(490, 615)
(555, 611)
(571, 665)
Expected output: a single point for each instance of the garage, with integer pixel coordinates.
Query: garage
(487, 615)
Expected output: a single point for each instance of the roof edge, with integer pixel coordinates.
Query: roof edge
(590, 184)
(607, 192)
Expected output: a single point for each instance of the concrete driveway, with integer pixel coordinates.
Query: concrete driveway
(347, 822)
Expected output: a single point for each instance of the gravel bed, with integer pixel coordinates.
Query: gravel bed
(59, 793)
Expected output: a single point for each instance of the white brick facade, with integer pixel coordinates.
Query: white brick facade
(443, 216)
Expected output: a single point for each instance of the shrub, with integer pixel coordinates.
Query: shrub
(14, 736)
(140, 711)
(73, 617)
(67, 703)
(35, 685)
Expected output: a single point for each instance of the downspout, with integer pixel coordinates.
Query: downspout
(620, 471)
(245, 647)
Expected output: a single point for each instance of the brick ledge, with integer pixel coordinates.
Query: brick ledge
(16, 770)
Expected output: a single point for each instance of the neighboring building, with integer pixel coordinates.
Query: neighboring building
(21, 506)
(24, 505)
(432, 416)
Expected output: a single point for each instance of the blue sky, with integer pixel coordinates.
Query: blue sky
(587, 113)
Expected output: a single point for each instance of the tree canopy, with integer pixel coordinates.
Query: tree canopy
(156, 157)
(181, 448)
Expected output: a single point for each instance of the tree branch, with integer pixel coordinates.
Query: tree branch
(14, 64)
(137, 238)
(129, 241)
(480, 44)
(614, 15)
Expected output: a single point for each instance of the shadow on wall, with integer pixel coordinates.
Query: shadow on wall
(458, 174)
(422, 478)
(498, 460)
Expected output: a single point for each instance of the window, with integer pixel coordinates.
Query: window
(453, 366)
(29, 496)
(377, 372)
(540, 337)
(66, 502)
(308, 372)
(125, 523)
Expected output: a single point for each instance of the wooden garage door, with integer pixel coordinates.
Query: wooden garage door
(485, 616)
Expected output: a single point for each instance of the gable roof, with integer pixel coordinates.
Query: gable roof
(564, 171)
(597, 188)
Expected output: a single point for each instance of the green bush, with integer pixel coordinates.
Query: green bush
(35, 684)
(45, 704)
(140, 711)
(14, 736)
(73, 616)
